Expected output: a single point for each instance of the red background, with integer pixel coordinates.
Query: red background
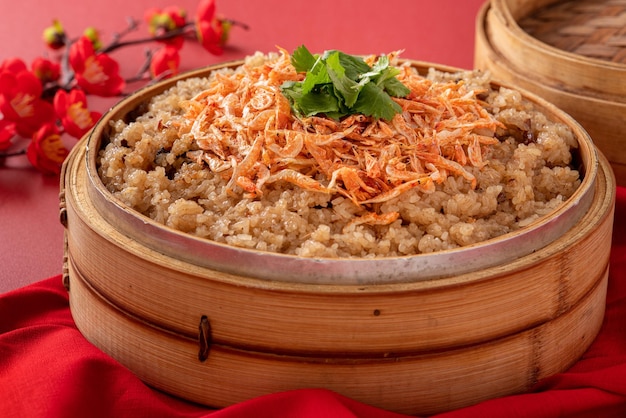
(30, 235)
(48, 369)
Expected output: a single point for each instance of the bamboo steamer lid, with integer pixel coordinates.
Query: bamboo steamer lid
(217, 337)
(572, 53)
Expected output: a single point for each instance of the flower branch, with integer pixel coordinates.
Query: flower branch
(50, 100)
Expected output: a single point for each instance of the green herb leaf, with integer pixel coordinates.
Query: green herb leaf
(337, 84)
(395, 88)
(373, 101)
(316, 76)
(347, 89)
(323, 101)
(353, 65)
(302, 59)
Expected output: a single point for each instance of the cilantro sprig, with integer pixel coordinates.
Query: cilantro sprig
(337, 84)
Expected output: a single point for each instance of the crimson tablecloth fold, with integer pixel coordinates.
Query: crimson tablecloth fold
(47, 369)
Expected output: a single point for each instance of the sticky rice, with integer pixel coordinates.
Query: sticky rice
(201, 159)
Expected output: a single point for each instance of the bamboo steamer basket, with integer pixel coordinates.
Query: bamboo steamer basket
(572, 53)
(164, 305)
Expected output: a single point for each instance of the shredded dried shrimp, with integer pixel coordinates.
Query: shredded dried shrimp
(245, 130)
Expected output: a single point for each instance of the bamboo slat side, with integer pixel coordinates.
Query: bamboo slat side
(422, 385)
(344, 320)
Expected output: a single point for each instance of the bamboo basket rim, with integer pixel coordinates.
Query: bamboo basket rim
(588, 28)
(502, 60)
(357, 271)
(604, 185)
(502, 6)
(212, 383)
(530, 290)
(603, 118)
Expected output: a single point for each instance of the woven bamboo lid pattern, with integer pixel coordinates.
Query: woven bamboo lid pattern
(591, 28)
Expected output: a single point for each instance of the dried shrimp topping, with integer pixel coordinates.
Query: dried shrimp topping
(245, 129)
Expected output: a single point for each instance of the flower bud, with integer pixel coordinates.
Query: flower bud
(46, 70)
(209, 29)
(94, 36)
(162, 23)
(226, 26)
(54, 36)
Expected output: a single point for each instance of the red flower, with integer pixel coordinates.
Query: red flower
(20, 99)
(165, 62)
(72, 110)
(46, 70)
(7, 132)
(96, 73)
(162, 22)
(46, 151)
(209, 28)
(13, 65)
